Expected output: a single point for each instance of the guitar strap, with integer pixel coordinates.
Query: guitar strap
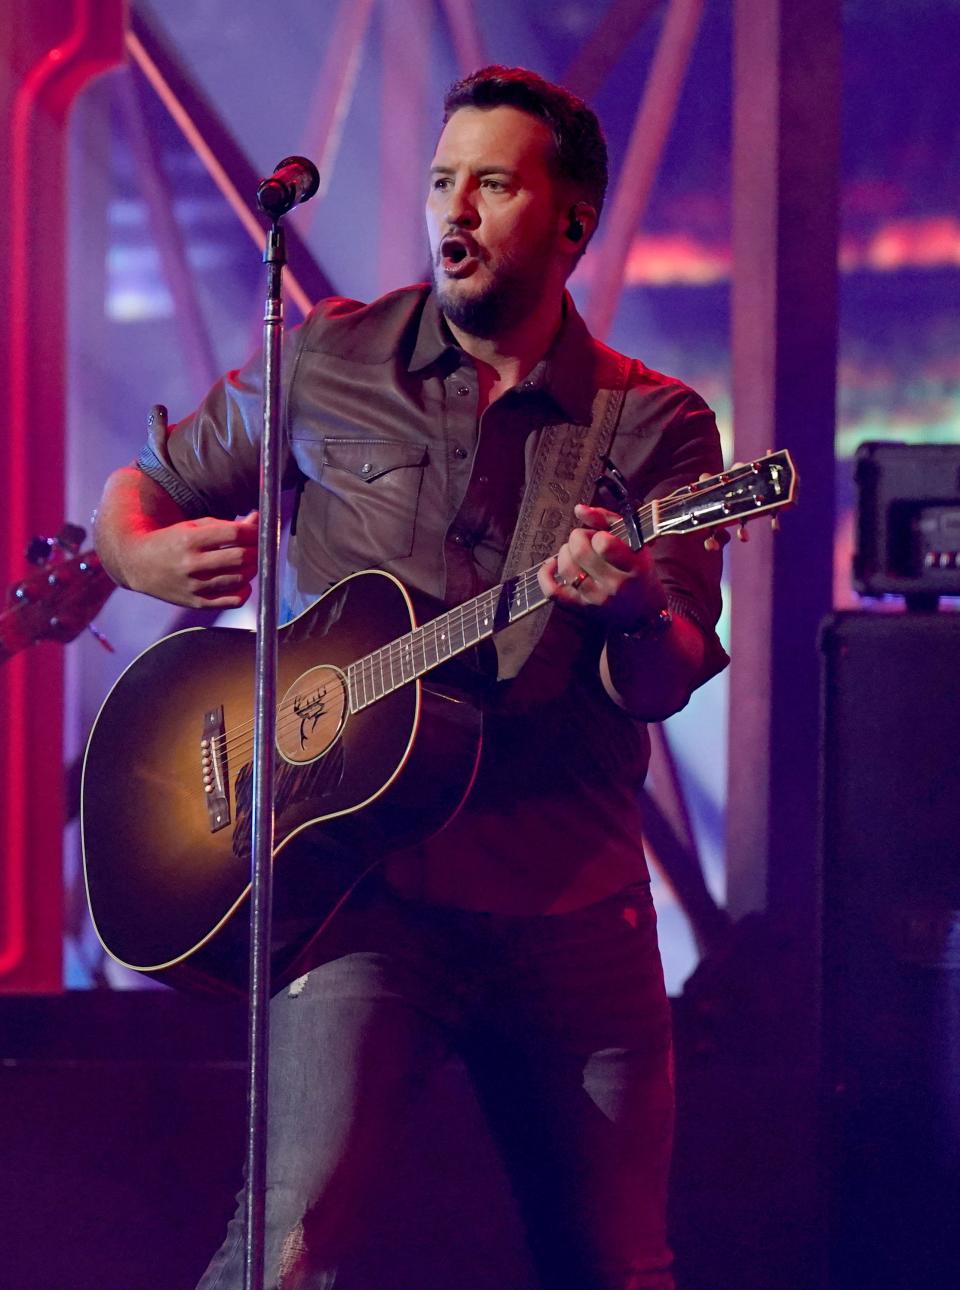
(567, 464)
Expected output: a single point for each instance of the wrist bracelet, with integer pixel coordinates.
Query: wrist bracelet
(652, 628)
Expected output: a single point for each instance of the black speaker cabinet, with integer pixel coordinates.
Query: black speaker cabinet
(890, 987)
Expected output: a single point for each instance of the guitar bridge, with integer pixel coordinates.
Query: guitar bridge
(214, 769)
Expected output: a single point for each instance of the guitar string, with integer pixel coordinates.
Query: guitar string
(362, 675)
(370, 674)
(363, 671)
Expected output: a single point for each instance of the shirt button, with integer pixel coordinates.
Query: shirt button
(463, 390)
(456, 539)
(482, 479)
(460, 452)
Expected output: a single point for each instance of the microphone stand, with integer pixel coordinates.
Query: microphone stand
(264, 740)
(295, 180)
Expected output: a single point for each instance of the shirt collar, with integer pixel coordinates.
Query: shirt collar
(566, 373)
(433, 338)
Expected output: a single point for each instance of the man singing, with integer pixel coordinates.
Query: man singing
(522, 937)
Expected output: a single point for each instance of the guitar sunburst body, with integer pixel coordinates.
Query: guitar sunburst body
(167, 881)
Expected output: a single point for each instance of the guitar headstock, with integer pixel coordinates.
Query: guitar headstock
(59, 598)
(735, 496)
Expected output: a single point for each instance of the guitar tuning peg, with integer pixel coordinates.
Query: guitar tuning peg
(71, 537)
(39, 550)
(742, 533)
(775, 523)
(711, 543)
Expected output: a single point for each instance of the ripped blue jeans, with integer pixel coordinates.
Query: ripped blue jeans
(564, 1027)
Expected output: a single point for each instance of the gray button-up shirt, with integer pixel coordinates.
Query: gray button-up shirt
(392, 468)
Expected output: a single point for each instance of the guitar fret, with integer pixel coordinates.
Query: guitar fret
(427, 644)
(379, 669)
(363, 687)
(406, 658)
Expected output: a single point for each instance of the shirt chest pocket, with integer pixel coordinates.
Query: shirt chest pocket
(371, 493)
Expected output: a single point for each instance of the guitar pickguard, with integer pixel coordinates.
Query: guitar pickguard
(299, 794)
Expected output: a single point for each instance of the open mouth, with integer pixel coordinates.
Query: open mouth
(458, 256)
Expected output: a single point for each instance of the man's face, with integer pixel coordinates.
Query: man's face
(496, 219)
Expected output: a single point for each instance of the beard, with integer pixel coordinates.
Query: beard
(512, 292)
(484, 313)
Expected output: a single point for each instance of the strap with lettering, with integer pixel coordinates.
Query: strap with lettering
(566, 467)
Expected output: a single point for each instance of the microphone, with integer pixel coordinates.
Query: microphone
(295, 179)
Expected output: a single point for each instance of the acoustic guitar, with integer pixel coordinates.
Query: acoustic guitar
(376, 747)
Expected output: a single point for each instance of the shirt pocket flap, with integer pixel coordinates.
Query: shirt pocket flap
(370, 459)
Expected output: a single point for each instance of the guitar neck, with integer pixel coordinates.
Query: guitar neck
(735, 496)
(420, 651)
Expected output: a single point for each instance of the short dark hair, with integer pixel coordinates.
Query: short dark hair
(581, 150)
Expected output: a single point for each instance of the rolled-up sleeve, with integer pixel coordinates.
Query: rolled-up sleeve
(687, 446)
(209, 462)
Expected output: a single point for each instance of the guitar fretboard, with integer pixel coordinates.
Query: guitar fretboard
(734, 496)
(443, 638)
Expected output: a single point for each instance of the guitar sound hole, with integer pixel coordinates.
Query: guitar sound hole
(311, 714)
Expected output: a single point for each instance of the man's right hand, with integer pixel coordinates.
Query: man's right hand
(201, 564)
(148, 544)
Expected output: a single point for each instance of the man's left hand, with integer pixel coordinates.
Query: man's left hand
(594, 568)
